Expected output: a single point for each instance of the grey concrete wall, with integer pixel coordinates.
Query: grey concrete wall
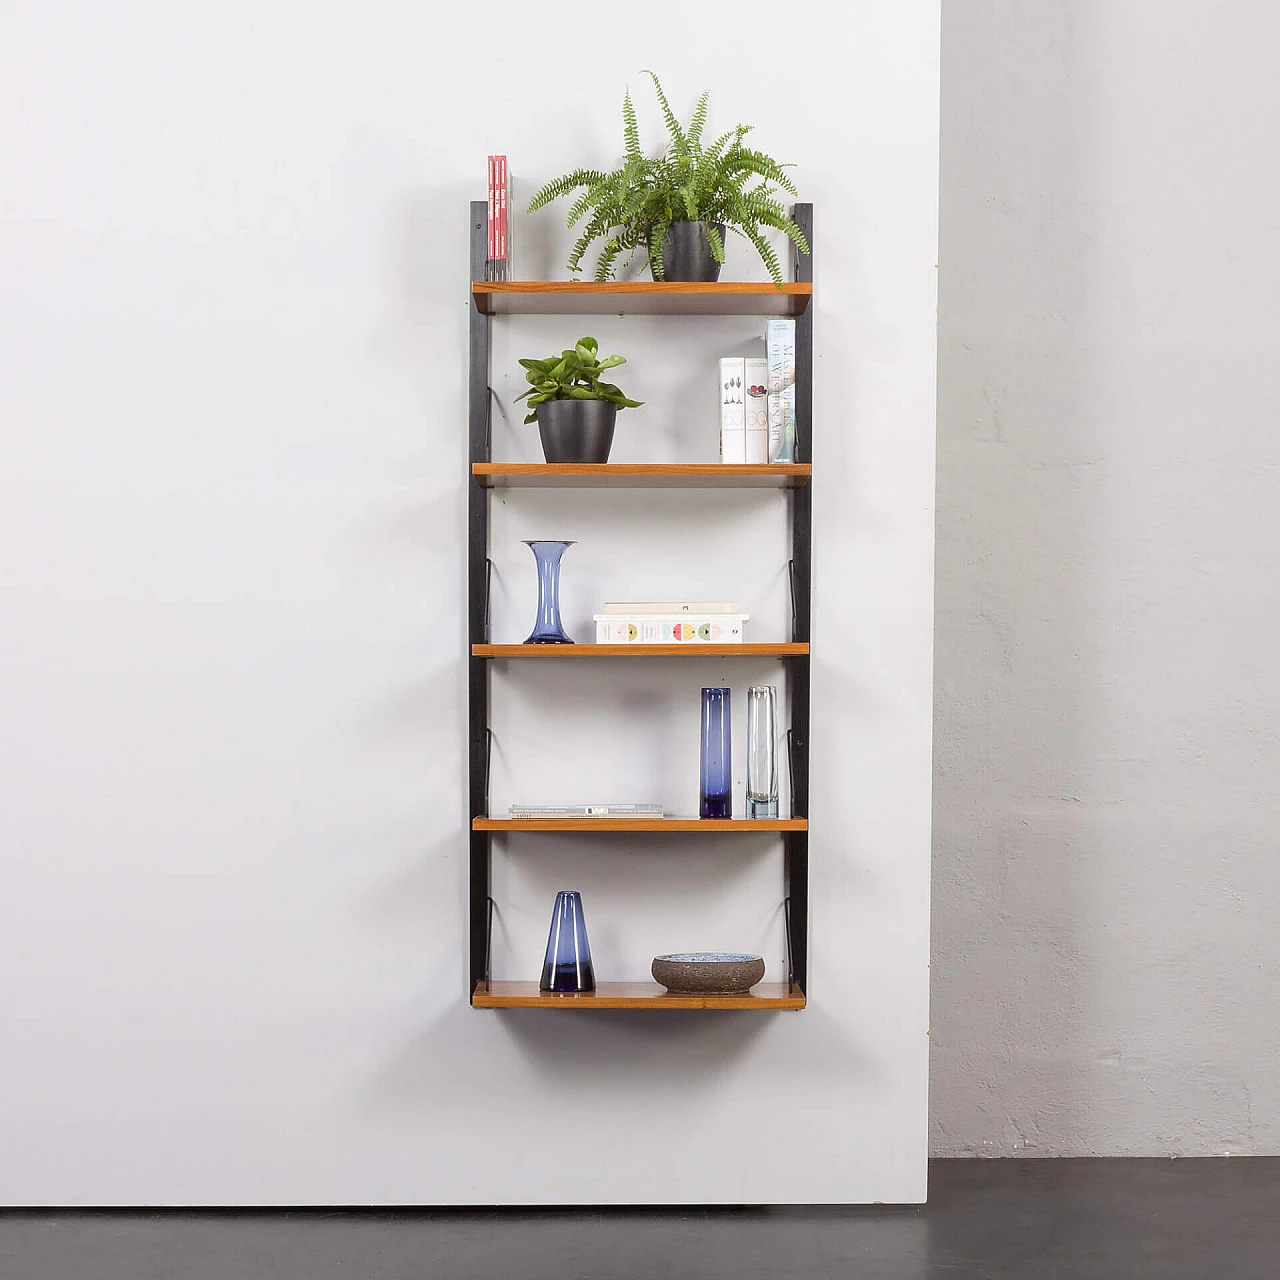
(1106, 970)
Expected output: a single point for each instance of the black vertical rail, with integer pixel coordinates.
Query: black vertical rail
(797, 842)
(477, 608)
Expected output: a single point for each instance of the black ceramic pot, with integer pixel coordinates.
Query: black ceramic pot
(686, 254)
(576, 430)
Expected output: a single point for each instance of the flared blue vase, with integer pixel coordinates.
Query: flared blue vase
(548, 629)
(715, 758)
(568, 963)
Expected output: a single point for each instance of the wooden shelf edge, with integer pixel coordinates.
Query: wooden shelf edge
(703, 826)
(725, 297)
(711, 288)
(766, 996)
(787, 650)
(624, 475)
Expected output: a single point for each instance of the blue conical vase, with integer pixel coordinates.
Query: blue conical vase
(568, 963)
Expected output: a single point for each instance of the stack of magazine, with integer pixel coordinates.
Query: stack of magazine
(585, 811)
(499, 267)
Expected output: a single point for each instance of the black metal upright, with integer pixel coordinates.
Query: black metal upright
(478, 607)
(797, 842)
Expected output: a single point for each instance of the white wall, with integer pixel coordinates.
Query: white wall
(1106, 956)
(233, 333)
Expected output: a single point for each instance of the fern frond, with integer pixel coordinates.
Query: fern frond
(590, 196)
(562, 186)
(608, 256)
(758, 204)
(698, 121)
(636, 206)
(657, 234)
(766, 252)
(711, 155)
(630, 129)
(597, 226)
(748, 161)
(678, 139)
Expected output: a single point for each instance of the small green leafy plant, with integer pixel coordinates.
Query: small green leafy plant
(573, 375)
(633, 206)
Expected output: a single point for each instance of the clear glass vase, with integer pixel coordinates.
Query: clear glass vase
(567, 966)
(762, 751)
(716, 756)
(548, 629)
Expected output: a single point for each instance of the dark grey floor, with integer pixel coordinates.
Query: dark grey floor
(995, 1219)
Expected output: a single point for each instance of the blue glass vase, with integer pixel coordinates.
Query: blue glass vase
(568, 963)
(716, 772)
(548, 629)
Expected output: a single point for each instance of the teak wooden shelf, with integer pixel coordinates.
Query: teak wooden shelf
(484, 475)
(632, 995)
(787, 649)
(639, 297)
(623, 475)
(703, 826)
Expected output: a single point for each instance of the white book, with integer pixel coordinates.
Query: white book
(733, 412)
(787, 413)
(585, 811)
(670, 607)
(678, 628)
(780, 351)
(757, 408)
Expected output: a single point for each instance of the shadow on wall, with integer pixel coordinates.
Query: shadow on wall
(596, 1051)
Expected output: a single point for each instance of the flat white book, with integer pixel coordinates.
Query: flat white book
(672, 606)
(508, 224)
(733, 411)
(585, 811)
(680, 628)
(757, 409)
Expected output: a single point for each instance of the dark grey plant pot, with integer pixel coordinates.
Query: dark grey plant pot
(576, 430)
(686, 253)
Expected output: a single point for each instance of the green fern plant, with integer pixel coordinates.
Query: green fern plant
(631, 207)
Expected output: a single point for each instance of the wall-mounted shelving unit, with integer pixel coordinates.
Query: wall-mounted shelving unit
(567, 297)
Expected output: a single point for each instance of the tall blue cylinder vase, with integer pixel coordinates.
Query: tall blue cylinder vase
(716, 760)
(568, 963)
(548, 629)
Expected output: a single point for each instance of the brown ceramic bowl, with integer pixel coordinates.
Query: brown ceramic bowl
(708, 973)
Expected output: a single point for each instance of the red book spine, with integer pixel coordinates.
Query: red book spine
(502, 209)
(493, 211)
